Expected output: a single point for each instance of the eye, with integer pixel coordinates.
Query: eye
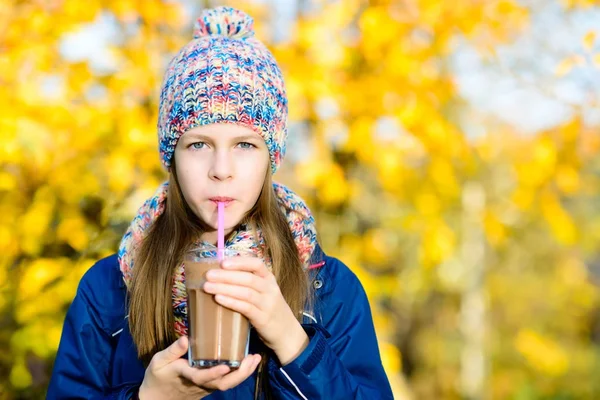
(198, 145)
(246, 145)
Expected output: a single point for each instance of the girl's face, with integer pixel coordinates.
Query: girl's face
(221, 162)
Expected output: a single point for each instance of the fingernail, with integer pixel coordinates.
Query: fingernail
(220, 298)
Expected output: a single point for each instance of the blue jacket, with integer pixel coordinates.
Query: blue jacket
(97, 358)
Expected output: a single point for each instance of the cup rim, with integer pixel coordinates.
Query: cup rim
(213, 248)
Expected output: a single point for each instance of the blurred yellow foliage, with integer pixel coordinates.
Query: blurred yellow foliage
(558, 218)
(589, 40)
(390, 358)
(386, 174)
(542, 354)
(20, 377)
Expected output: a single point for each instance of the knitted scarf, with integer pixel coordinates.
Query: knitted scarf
(297, 213)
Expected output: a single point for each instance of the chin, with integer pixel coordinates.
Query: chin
(210, 219)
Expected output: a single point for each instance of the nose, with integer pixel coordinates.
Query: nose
(221, 168)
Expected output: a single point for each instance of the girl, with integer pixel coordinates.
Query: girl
(222, 132)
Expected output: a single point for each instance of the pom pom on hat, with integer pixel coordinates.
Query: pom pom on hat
(224, 21)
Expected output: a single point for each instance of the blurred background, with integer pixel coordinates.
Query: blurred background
(450, 151)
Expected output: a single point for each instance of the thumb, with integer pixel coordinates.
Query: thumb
(172, 353)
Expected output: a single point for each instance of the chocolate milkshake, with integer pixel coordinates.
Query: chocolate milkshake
(217, 335)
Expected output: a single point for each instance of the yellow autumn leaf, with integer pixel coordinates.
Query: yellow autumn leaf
(567, 179)
(120, 169)
(360, 140)
(411, 113)
(36, 220)
(383, 324)
(428, 203)
(542, 354)
(541, 165)
(7, 241)
(72, 229)
(437, 134)
(399, 63)
(378, 29)
(335, 189)
(8, 181)
(38, 336)
(53, 336)
(443, 177)
(35, 140)
(589, 40)
(565, 66)
(351, 248)
(573, 271)
(572, 130)
(532, 175)
(148, 162)
(75, 10)
(375, 247)
(311, 173)
(10, 151)
(523, 197)
(367, 281)
(561, 223)
(389, 164)
(38, 274)
(3, 278)
(596, 60)
(495, 231)
(439, 243)
(66, 289)
(124, 9)
(545, 154)
(20, 377)
(390, 358)
(42, 305)
(297, 96)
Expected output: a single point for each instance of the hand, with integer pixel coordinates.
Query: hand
(170, 377)
(245, 285)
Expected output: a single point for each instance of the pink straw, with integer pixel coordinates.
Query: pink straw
(220, 231)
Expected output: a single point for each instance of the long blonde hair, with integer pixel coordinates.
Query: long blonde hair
(151, 318)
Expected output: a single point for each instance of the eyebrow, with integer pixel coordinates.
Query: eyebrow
(200, 136)
(247, 137)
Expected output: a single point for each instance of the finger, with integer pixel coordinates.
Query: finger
(237, 292)
(171, 353)
(249, 310)
(200, 377)
(242, 278)
(247, 368)
(250, 264)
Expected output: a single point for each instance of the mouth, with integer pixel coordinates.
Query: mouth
(219, 199)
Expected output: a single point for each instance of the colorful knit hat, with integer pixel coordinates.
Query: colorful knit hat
(224, 75)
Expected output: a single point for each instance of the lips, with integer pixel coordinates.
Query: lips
(221, 199)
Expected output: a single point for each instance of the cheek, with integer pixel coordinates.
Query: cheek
(188, 177)
(252, 179)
